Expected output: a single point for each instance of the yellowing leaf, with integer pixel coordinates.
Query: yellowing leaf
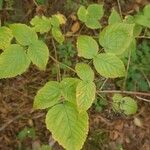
(85, 95)
(5, 37)
(67, 126)
(75, 27)
(109, 66)
(41, 24)
(62, 19)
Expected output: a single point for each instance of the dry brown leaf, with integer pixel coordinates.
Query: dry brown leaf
(75, 27)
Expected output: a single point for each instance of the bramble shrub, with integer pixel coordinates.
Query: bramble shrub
(67, 101)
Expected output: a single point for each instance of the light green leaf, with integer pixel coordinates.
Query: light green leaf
(95, 11)
(23, 34)
(67, 126)
(38, 53)
(142, 20)
(58, 36)
(92, 23)
(5, 37)
(41, 24)
(68, 86)
(114, 17)
(84, 71)
(116, 38)
(129, 106)
(13, 61)
(82, 14)
(117, 99)
(85, 95)
(55, 21)
(109, 65)
(87, 47)
(48, 96)
(147, 11)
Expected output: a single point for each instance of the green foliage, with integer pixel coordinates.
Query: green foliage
(144, 17)
(87, 47)
(114, 17)
(1, 4)
(127, 105)
(85, 72)
(23, 34)
(91, 15)
(45, 147)
(13, 61)
(25, 133)
(5, 37)
(116, 38)
(67, 101)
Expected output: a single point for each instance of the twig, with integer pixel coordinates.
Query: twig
(62, 63)
(125, 92)
(103, 83)
(143, 99)
(119, 6)
(58, 65)
(143, 37)
(126, 76)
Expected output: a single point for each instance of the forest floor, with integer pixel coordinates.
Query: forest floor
(108, 131)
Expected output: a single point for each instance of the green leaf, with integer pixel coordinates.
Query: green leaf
(68, 86)
(92, 23)
(116, 38)
(5, 37)
(87, 47)
(67, 126)
(129, 106)
(13, 61)
(55, 21)
(58, 36)
(109, 65)
(114, 17)
(45, 147)
(23, 34)
(85, 95)
(117, 99)
(84, 71)
(95, 11)
(82, 12)
(48, 96)
(38, 53)
(41, 24)
(147, 11)
(142, 20)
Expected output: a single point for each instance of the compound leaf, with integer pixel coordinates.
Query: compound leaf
(92, 23)
(48, 96)
(84, 71)
(5, 37)
(67, 126)
(109, 66)
(41, 24)
(23, 34)
(13, 61)
(116, 38)
(85, 95)
(38, 53)
(68, 86)
(87, 47)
